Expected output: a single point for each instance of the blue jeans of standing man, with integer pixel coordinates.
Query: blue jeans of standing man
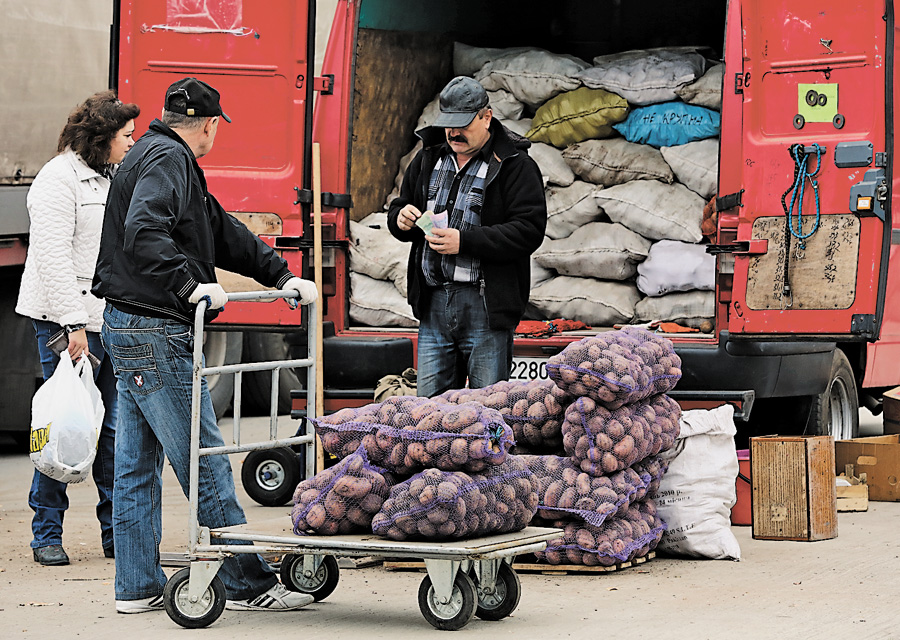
(48, 497)
(455, 341)
(152, 358)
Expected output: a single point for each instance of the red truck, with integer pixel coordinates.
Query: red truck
(804, 338)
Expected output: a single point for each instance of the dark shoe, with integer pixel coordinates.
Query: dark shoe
(109, 552)
(51, 555)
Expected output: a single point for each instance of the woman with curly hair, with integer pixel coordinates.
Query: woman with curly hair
(65, 207)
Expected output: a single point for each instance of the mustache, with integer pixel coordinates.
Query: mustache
(457, 138)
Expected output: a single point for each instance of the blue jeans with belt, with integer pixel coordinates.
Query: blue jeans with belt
(153, 361)
(47, 497)
(456, 341)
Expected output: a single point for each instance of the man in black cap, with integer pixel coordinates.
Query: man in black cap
(468, 283)
(163, 235)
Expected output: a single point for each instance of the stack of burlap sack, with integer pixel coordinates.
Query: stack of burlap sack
(580, 451)
(628, 151)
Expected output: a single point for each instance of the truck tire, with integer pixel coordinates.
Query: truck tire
(260, 346)
(220, 348)
(836, 411)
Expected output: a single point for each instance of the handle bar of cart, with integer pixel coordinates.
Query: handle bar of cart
(199, 540)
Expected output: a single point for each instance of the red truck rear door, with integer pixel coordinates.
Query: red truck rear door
(813, 78)
(255, 54)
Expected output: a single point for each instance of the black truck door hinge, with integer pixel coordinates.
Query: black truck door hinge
(863, 324)
(336, 200)
(730, 201)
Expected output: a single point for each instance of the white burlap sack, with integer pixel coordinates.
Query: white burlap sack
(533, 77)
(645, 76)
(554, 169)
(595, 302)
(616, 161)
(697, 492)
(376, 253)
(689, 308)
(673, 266)
(603, 250)
(504, 105)
(705, 91)
(539, 274)
(655, 210)
(696, 165)
(377, 303)
(569, 208)
(467, 60)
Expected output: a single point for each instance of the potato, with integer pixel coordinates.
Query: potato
(316, 516)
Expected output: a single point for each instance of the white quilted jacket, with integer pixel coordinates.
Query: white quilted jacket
(65, 206)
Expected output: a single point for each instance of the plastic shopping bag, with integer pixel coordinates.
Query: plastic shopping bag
(66, 415)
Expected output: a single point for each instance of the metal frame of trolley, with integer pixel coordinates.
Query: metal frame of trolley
(465, 577)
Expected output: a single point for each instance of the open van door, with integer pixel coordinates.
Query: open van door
(256, 55)
(813, 201)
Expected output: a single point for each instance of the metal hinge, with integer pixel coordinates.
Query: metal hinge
(863, 324)
(324, 84)
(730, 201)
(336, 200)
(881, 159)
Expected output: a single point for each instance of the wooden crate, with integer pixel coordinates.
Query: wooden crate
(794, 495)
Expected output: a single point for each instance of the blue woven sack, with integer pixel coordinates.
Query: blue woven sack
(669, 124)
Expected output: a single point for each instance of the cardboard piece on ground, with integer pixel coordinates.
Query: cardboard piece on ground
(876, 456)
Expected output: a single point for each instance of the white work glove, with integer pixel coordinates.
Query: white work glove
(213, 292)
(306, 289)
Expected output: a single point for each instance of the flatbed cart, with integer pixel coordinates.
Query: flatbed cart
(465, 577)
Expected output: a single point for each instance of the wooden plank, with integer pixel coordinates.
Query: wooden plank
(822, 497)
(531, 567)
(822, 276)
(855, 498)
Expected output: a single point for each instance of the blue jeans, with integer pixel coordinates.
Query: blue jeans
(455, 341)
(47, 496)
(152, 359)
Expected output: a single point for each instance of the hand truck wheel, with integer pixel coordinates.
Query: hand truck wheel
(193, 615)
(457, 611)
(503, 599)
(271, 476)
(320, 583)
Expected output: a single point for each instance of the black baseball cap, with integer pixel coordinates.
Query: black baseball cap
(461, 100)
(192, 97)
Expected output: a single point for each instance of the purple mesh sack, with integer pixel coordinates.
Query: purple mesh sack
(604, 441)
(443, 505)
(534, 410)
(616, 368)
(406, 434)
(341, 499)
(619, 539)
(654, 468)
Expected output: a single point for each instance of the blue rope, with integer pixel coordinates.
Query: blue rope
(802, 176)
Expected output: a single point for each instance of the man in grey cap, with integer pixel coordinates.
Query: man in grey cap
(472, 205)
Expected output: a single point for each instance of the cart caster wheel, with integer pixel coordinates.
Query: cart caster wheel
(271, 476)
(504, 598)
(193, 615)
(452, 615)
(319, 586)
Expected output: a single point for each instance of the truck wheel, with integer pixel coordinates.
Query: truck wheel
(264, 347)
(220, 348)
(836, 411)
(271, 476)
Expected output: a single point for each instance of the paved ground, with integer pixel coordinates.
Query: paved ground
(836, 588)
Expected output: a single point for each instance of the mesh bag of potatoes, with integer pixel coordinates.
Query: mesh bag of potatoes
(406, 434)
(617, 367)
(619, 539)
(603, 441)
(654, 468)
(533, 409)
(341, 499)
(443, 505)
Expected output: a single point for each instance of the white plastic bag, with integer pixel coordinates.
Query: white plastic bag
(66, 416)
(696, 494)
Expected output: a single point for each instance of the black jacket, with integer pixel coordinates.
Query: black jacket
(164, 233)
(513, 219)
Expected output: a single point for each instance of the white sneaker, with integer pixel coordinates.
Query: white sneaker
(140, 606)
(278, 598)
